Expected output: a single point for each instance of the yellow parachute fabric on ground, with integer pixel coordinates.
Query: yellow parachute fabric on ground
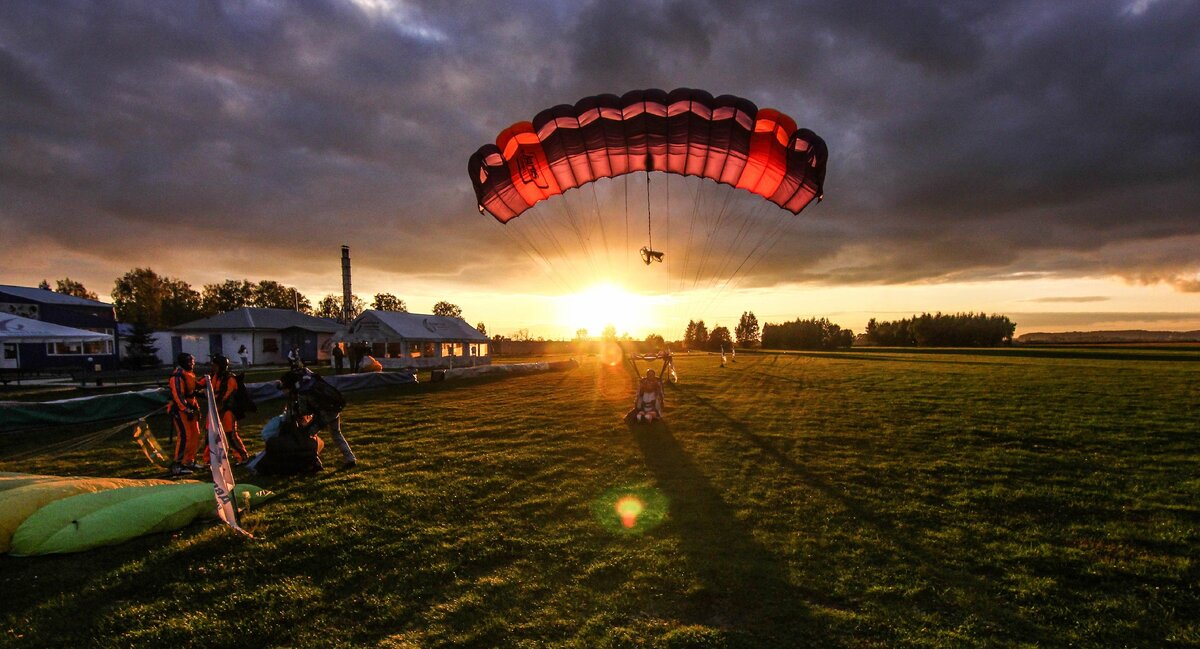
(22, 494)
(93, 520)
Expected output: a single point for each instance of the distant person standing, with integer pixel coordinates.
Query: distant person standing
(294, 358)
(244, 355)
(339, 358)
(184, 411)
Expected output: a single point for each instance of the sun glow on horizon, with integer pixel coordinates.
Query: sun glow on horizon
(607, 303)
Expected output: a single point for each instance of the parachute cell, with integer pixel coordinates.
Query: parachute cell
(686, 132)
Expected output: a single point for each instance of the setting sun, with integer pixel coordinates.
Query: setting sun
(603, 304)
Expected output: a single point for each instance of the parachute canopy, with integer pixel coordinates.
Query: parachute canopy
(687, 132)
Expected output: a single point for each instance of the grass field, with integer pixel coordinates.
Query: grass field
(882, 498)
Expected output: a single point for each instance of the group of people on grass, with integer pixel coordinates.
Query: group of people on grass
(311, 405)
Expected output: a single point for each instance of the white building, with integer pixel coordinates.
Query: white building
(268, 335)
(418, 340)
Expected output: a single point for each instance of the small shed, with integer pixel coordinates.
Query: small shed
(268, 335)
(419, 340)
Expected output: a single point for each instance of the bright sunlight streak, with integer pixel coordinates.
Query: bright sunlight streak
(603, 304)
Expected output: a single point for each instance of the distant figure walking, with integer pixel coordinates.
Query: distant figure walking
(244, 355)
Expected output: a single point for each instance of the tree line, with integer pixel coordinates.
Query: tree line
(943, 330)
(142, 296)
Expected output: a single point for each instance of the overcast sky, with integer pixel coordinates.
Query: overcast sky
(969, 141)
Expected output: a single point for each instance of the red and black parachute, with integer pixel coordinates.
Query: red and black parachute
(688, 132)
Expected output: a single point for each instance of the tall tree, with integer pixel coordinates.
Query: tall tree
(481, 328)
(45, 286)
(388, 302)
(180, 303)
(610, 332)
(746, 331)
(719, 339)
(700, 337)
(330, 307)
(447, 309)
(142, 352)
(137, 297)
(270, 294)
(226, 296)
(689, 335)
(581, 334)
(68, 286)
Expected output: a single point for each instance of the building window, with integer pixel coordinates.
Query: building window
(270, 345)
(428, 349)
(94, 348)
(452, 349)
(479, 349)
(393, 350)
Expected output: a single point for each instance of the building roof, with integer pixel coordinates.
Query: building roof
(15, 329)
(43, 296)
(256, 319)
(413, 326)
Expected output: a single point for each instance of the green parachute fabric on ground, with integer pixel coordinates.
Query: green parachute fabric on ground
(114, 516)
(22, 494)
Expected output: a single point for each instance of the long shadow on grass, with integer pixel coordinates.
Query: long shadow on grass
(967, 592)
(745, 587)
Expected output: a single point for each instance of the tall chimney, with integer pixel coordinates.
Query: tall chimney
(346, 307)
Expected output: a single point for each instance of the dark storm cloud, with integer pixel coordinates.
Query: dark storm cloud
(969, 140)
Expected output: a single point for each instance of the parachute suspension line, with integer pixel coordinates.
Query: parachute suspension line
(715, 225)
(649, 254)
(625, 179)
(541, 260)
(581, 234)
(772, 236)
(603, 234)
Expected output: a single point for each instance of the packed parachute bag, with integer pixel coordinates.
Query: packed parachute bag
(290, 450)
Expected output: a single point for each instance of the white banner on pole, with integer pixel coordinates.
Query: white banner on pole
(218, 454)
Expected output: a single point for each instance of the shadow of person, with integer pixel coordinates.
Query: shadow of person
(743, 586)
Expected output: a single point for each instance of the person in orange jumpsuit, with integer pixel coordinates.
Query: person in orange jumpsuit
(184, 411)
(225, 386)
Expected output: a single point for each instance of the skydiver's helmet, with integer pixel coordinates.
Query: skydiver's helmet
(185, 360)
(220, 364)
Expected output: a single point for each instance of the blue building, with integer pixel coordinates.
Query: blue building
(60, 309)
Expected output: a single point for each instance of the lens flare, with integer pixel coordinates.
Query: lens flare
(628, 508)
(631, 509)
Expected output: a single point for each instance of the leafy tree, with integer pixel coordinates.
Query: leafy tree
(700, 335)
(45, 286)
(269, 294)
(581, 334)
(180, 302)
(806, 334)
(388, 302)
(447, 309)
(521, 334)
(226, 296)
(330, 307)
(142, 295)
(68, 286)
(481, 328)
(746, 331)
(656, 341)
(943, 330)
(719, 339)
(610, 332)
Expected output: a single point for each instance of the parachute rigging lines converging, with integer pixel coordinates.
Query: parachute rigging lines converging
(684, 132)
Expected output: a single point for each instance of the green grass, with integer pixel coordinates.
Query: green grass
(883, 498)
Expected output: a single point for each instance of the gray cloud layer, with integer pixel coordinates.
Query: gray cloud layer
(968, 140)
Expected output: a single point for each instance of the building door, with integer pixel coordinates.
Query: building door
(214, 345)
(9, 358)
